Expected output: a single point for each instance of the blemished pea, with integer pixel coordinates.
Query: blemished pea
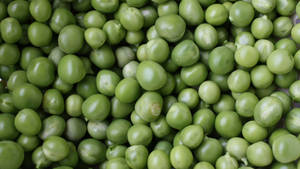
(157, 50)
(55, 148)
(192, 136)
(216, 14)
(209, 92)
(264, 6)
(287, 44)
(291, 120)
(228, 124)
(206, 36)
(282, 26)
(286, 148)
(170, 27)
(253, 132)
(117, 131)
(181, 157)
(264, 48)
(71, 69)
(11, 155)
(94, 19)
(158, 159)
(11, 30)
(246, 56)
(245, 104)
(194, 75)
(259, 154)
(136, 156)
(96, 107)
(139, 134)
(52, 126)
(191, 11)
(241, 14)
(209, 151)
(239, 81)
(205, 118)
(285, 7)
(237, 147)
(179, 116)
(91, 151)
(97, 129)
(186, 53)
(244, 38)
(226, 161)
(221, 60)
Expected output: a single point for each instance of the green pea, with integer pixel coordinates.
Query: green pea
(286, 148)
(117, 131)
(209, 151)
(287, 44)
(264, 48)
(253, 132)
(181, 157)
(239, 81)
(97, 129)
(94, 19)
(285, 80)
(291, 120)
(264, 6)
(226, 161)
(114, 31)
(179, 116)
(167, 8)
(170, 27)
(228, 124)
(8, 130)
(285, 7)
(241, 14)
(103, 57)
(105, 6)
(221, 60)
(245, 104)
(115, 151)
(132, 19)
(205, 118)
(91, 151)
(160, 127)
(191, 11)
(52, 126)
(216, 14)
(136, 156)
(28, 143)
(11, 30)
(11, 155)
(150, 15)
(139, 134)
(206, 36)
(282, 26)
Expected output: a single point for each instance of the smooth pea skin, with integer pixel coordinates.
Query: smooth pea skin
(91, 151)
(11, 30)
(185, 53)
(228, 124)
(245, 104)
(209, 92)
(268, 111)
(206, 36)
(55, 148)
(158, 159)
(39, 34)
(241, 14)
(221, 60)
(150, 75)
(136, 156)
(209, 151)
(286, 148)
(71, 69)
(225, 162)
(259, 154)
(71, 39)
(179, 116)
(96, 107)
(181, 157)
(11, 155)
(170, 27)
(280, 62)
(40, 10)
(191, 11)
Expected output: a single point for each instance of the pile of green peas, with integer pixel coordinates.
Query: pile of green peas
(149, 84)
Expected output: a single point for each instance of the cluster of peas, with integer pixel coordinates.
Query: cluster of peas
(157, 84)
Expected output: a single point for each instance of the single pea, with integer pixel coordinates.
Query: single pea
(132, 19)
(216, 14)
(94, 19)
(285, 80)
(282, 26)
(160, 127)
(241, 14)
(285, 7)
(286, 148)
(117, 131)
(179, 116)
(52, 126)
(194, 75)
(259, 154)
(226, 161)
(244, 38)
(62, 86)
(185, 53)
(221, 60)
(91, 151)
(264, 48)
(158, 159)
(264, 6)
(8, 130)
(139, 134)
(287, 44)
(170, 27)
(294, 91)
(206, 36)
(276, 134)
(11, 155)
(105, 6)
(253, 132)
(245, 104)
(11, 30)
(28, 143)
(205, 118)
(261, 76)
(191, 11)
(114, 31)
(136, 156)
(96, 107)
(150, 15)
(239, 81)
(228, 124)
(192, 136)
(97, 129)
(268, 111)
(209, 92)
(209, 151)
(115, 151)
(291, 120)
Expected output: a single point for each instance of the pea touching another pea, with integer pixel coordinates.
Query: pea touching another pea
(157, 84)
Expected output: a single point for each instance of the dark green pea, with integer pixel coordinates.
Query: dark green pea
(71, 39)
(286, 148)
(53, 102)
(239, 81)
(26, 96)
(164, 146)
(291, 120)
(160, 127)
(179, 116)
(245, 104)
(253, 132)
(132, 19)
(52, 126)
(105, 6)
(8, 130)
(3, 11)
(75, 129)
(127, 90)
(139, 134)
(205, 118)
(136, 156)
(72, 159)
(241, 14)
(158, 160)
(268, 111)
(228, 124)
(136, 119)
(40, 10)
(285, 80)
(134, 37)
(150, 15)
(97, 129)
(167, 8)
(81, 5)
(282, 26)
(96, 107)
(28, 143)
(39, 34)
(91, 151)
(225, 103)
(62, 86)
(103, 57)
(221, 60)
(191, 11)
(117, 131)
(285, 7)
(181, 157)
(61, 18)
(115, 151)
(206, 36)
(264, 48)
(169, 86)
(9, 54)
(39, 159)
(194, 75)
(114, 31)
(170, 27)
(87, 87)
(244, 38)
(11, 155)
(11, 30)
(209, 151)
(7, 104)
